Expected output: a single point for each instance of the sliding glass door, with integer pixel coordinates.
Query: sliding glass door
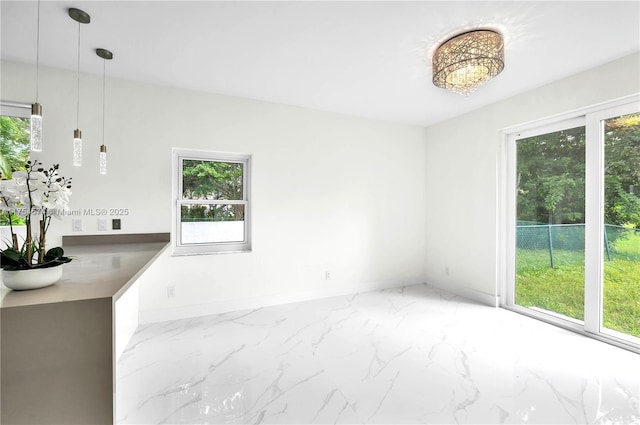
(573, 218)
(550, 222)
(621, 211)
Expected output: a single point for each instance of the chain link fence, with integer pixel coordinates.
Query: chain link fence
(566, 237)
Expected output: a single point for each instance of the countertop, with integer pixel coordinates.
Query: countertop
(96, 271)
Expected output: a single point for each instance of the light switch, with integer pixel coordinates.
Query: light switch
(102, 224)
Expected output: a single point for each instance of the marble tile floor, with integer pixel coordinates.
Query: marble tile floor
(403, 356)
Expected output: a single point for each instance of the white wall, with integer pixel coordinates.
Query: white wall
(462, 172)
(330, 192)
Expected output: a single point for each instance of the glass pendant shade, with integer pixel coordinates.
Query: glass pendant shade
(36, 127)
(103, 159)
(35, 134)
(77, 147)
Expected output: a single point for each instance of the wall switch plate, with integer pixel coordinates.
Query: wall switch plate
(102, 224)
(76, 224)
(116, 224)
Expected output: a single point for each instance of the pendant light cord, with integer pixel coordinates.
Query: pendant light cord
(38, 52)
(104, 73)
(78, 80)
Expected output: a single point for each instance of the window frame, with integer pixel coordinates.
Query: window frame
(21, 111)
(590, 118)
(15, 109)
(179, 248)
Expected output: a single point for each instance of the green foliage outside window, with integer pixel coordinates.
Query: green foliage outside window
(212, 180)
(14, 153)
(551, 167)
(622, 171)
(551, 177)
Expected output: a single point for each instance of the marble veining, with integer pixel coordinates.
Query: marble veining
(407, 355)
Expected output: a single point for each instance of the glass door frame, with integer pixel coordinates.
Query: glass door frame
(593, 120)
(595, 220)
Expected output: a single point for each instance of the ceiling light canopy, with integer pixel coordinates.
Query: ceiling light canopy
(465, 62)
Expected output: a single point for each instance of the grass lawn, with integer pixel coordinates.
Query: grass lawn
(561, 289)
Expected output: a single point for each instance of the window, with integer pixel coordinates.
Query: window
(14, 149)
(212, 207)
(550, 206)
(14, 136)
(573, 221)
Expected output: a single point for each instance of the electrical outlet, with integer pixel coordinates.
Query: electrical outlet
(446, 271)
(116, 224)
(171, 291)
(76, 224)
(327, 275)
(102, 224)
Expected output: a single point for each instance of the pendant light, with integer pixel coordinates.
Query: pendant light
(35, 134)
(105, 55)
(80, 17)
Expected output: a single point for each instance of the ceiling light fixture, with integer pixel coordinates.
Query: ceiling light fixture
(35, 134)
(465, 62)
(80, 17)
(105, 55)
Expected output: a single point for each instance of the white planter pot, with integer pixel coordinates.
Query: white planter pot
(21, 280)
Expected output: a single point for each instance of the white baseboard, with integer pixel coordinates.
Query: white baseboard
(471, 294)
(224, 306)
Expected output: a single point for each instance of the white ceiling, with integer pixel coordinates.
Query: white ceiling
(370, 59)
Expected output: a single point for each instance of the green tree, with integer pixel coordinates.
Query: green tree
(551, 174)
(14, 144)
(622, 170)
(14, 153)
(551, 182)
(213, 180)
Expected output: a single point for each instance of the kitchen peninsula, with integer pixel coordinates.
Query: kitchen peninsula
(59, 345)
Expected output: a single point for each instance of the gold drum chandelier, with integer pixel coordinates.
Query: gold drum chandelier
(465, 62)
